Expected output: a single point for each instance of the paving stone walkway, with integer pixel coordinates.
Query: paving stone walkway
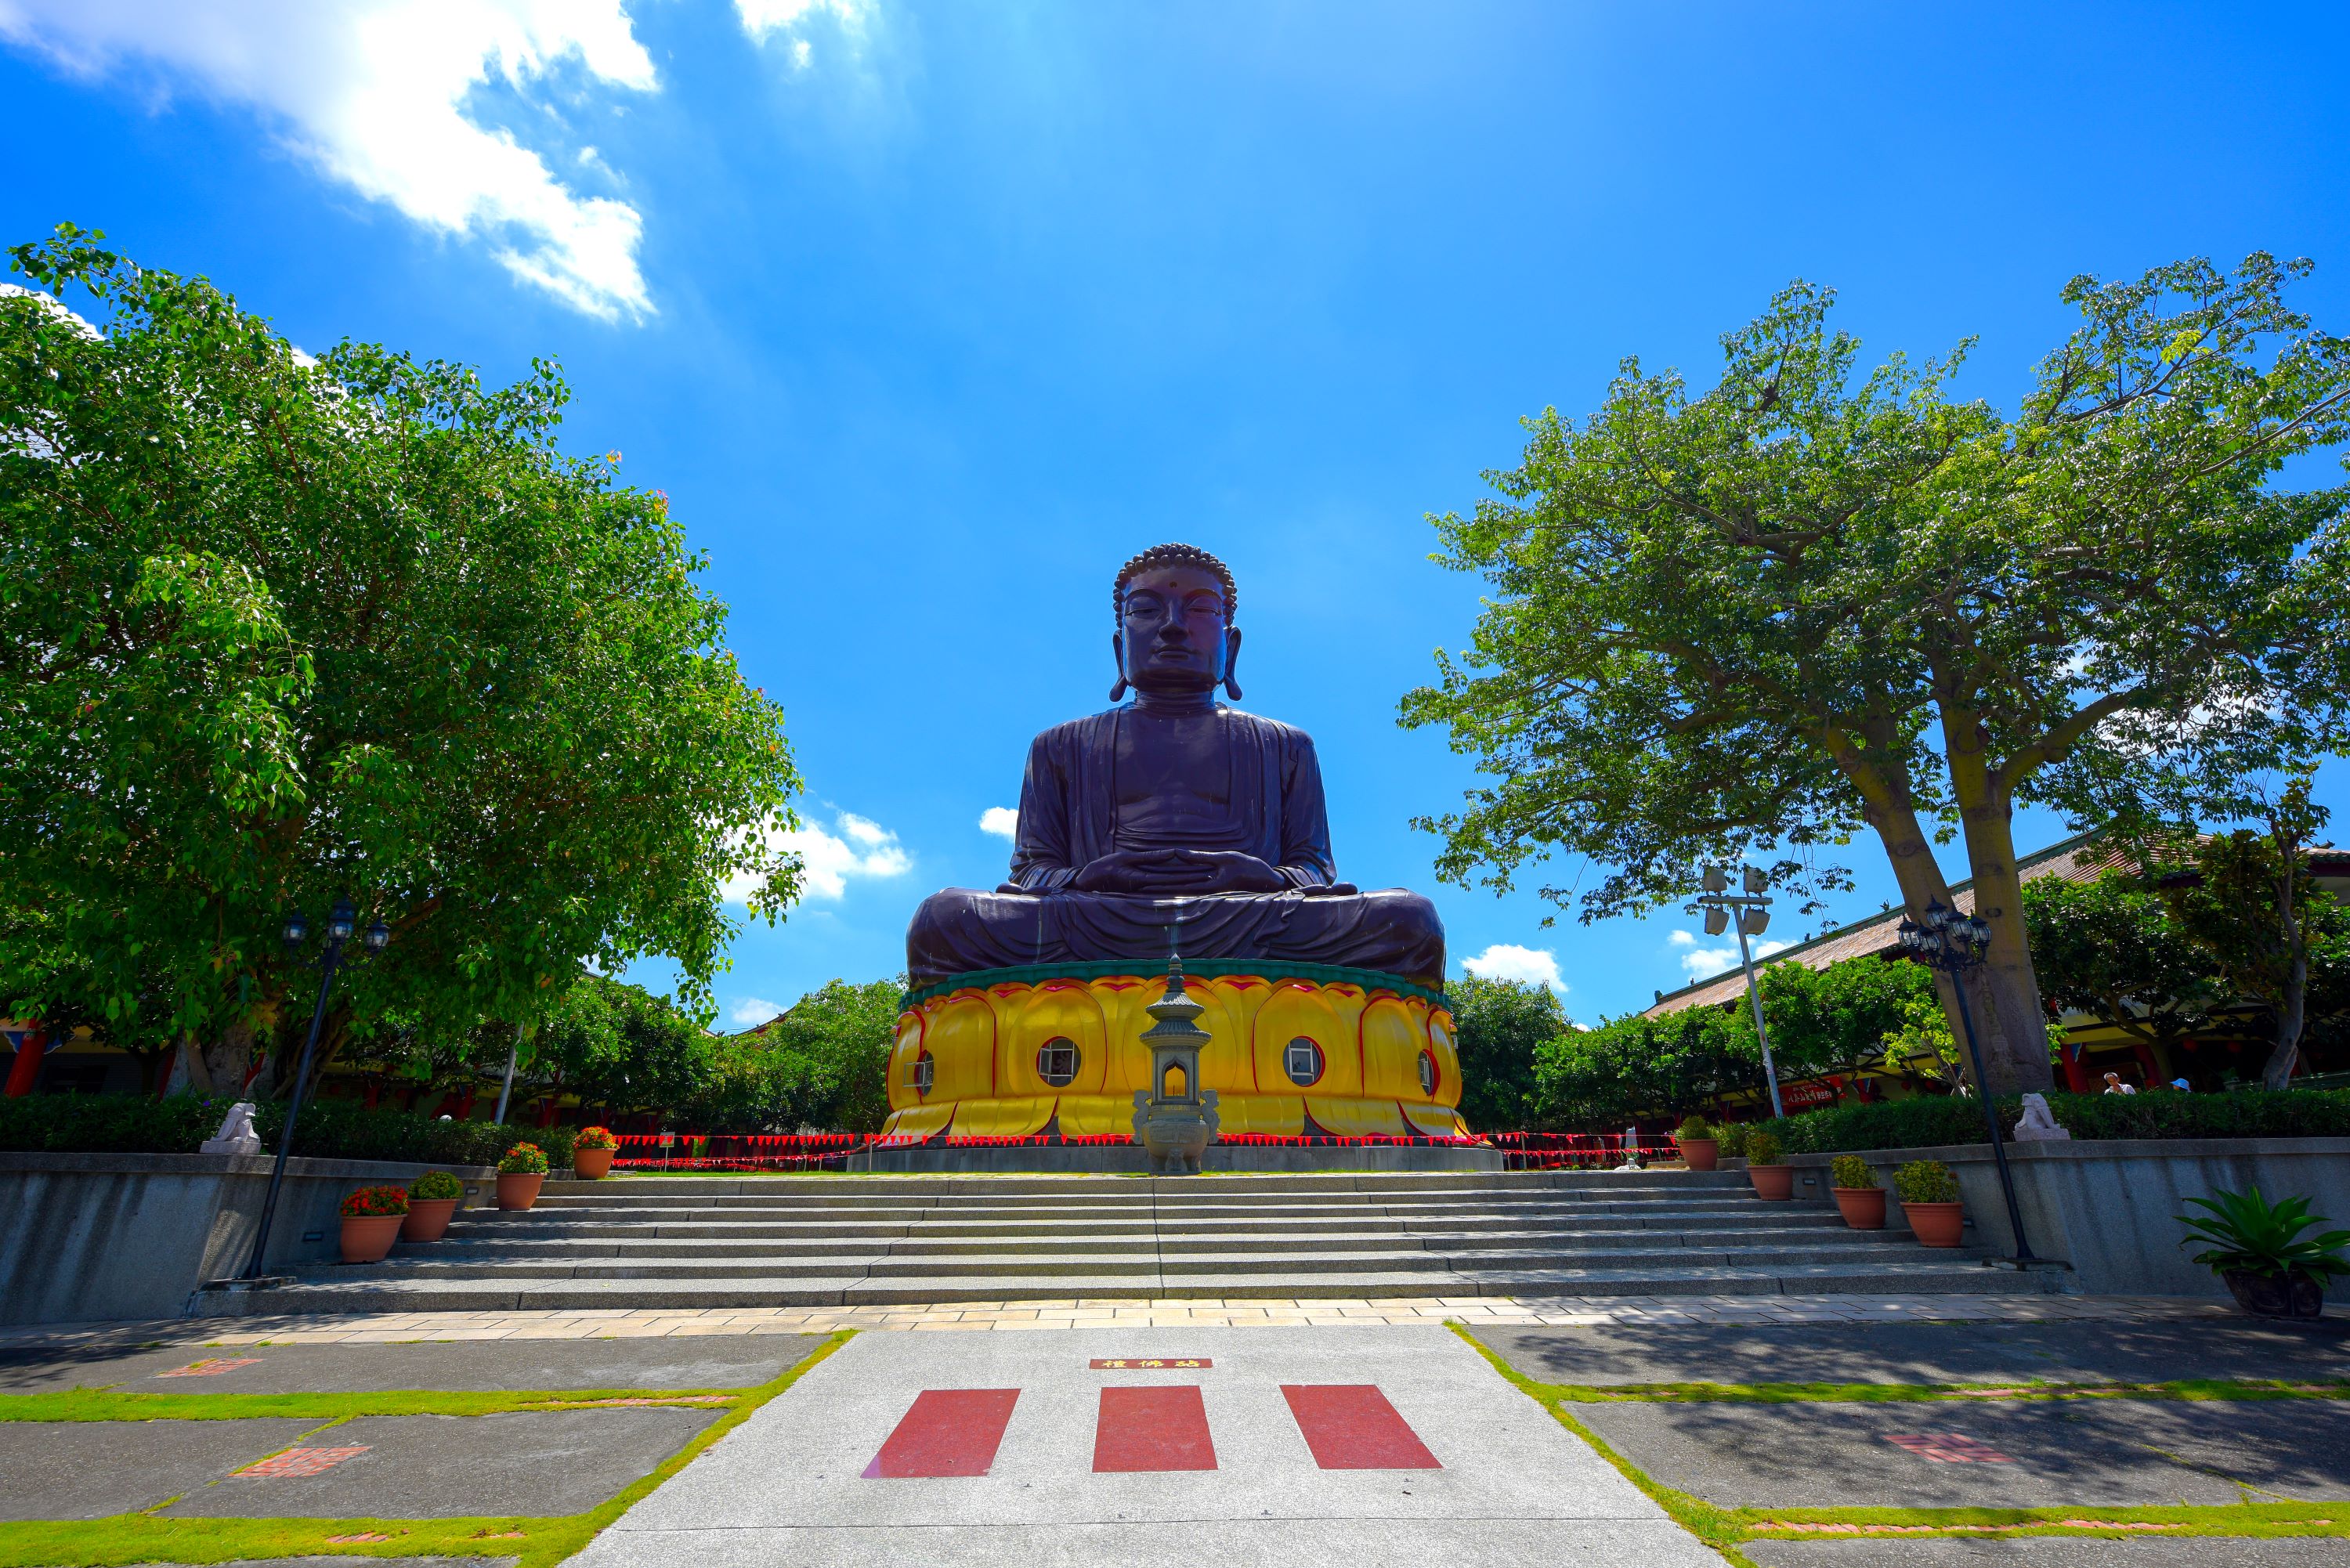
(1128, 1432)
(361, 1328)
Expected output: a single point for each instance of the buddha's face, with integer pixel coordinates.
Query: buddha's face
(1175, 634)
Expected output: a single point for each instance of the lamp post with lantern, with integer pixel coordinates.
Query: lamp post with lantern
(1954, 943)
(1753, 911)
(342, 920)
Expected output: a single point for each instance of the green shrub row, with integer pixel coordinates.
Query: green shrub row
(1947, 1119)
(330, 1129)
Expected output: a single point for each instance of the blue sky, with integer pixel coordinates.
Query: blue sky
(926, 315)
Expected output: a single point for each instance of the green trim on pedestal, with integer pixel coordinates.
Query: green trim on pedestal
(1205, 968)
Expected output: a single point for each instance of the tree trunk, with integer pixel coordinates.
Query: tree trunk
(2010, 1025)
(227, 1060)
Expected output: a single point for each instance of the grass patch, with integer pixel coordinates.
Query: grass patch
(1724, 1528)
(1895, 1393)
(538, 1543)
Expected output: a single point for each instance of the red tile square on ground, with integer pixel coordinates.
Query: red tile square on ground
(1949, 1449)
(212, 1367)
(296, 1462)
(1154, 1428)
(1352, 1427)
(947, 1432)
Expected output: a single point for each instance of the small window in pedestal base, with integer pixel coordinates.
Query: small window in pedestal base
(1303, 1063)
(1428, 1075)
(924, 1074)
(1056, 1062)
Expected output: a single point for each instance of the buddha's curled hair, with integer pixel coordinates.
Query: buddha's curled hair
(1174, 555)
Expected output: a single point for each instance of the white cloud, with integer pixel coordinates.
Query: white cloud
(1704, 963)
(753, 1011)
(766, 19)
(862, 847)
(1528, 966)
(1001, 820)
(375, 93)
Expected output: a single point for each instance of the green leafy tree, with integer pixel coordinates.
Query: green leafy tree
(1810, 604)
(1627, 1069)
(284, 630)
(1498, 1027)
(1835, 1018)
(2110, 948)
(824, 1063)
(2253, 912)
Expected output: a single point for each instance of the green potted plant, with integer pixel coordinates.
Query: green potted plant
(1930, 1202)
(433, 1199)
(1858, 1197)
(371, 1221)
(1699, 1146)
(520, 1174)
(591, 1153)
(2257, 1247)
(1767, 1167)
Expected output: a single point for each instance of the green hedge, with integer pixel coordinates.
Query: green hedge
(330, 1129)
(1947, 1119)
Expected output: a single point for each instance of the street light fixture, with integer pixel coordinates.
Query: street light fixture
(341, 921)
(1753, 911)
(1955, 943)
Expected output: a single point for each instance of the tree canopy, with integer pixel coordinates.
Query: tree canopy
(1498, 1026)
(1758, 620)
(284, 630)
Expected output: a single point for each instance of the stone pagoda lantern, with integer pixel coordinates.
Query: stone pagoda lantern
(1175, 1119)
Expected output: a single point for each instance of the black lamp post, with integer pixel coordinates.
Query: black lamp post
(1955, 943)
(341, 921)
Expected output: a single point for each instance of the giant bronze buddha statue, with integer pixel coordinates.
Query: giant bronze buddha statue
(1172, 823)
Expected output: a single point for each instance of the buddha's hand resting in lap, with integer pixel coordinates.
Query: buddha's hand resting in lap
(1169, 871)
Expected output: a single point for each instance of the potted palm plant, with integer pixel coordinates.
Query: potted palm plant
(1699, 1146)
(1858, 1197)
(591, 1153)
(433, 1199)
(1767, 1167)
(520, 1174)
(2257, 1247)
(371, 1221)
(1930, 1202)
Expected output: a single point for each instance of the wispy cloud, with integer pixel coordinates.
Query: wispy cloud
(753, 1011)
(376, 94)
(1704, 963)
(1527, 966)
(858, 846)
(788, 22)
(1000, 820)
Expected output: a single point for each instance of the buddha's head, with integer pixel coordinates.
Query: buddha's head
(1175, 633)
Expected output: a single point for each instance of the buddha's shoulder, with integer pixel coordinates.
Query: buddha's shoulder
(1272, 732)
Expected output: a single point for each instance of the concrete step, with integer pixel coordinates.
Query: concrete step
(380, 1293)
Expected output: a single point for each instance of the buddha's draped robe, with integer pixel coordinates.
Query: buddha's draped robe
(1267, 802)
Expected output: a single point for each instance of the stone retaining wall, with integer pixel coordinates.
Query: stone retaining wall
(2107, 1205)
(84, 1237)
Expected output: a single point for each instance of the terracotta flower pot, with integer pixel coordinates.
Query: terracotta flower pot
(591, 1164)
(1936, 1224)
(2294, 1295)
(368, 1238)
(1863, 1207)
(519, 1190)
(428, 1219)
(1775, 1182)
(1703, 1153)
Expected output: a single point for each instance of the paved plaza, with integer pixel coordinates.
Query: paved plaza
(1849, 1432)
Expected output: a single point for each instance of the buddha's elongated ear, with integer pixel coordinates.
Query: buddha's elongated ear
(1117, 653)
(1231, 662)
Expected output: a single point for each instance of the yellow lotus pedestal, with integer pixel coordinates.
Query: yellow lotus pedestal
(1292, 1049)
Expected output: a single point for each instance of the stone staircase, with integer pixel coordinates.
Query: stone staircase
(654, 1241)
